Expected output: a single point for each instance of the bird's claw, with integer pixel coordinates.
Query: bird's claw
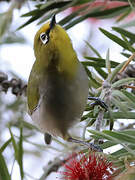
(99, 102)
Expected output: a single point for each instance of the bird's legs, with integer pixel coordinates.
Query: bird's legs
(92, 146)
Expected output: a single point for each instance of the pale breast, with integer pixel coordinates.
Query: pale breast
(62, 103)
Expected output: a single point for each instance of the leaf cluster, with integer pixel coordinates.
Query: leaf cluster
(106, 84)
(81, 10)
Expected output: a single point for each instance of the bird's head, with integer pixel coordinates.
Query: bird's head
(51, 37)
(53, 45)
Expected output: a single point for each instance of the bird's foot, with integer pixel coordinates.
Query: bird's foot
(99, 102)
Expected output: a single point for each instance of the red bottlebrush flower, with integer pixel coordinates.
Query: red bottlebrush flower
(95, 167)
(102, 4)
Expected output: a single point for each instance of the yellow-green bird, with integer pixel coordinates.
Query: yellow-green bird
(58, 85)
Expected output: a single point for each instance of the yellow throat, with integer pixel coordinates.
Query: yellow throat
(59, 49)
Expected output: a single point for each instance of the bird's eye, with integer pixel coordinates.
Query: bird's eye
(44, 38)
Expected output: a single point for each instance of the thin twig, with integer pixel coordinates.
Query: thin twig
(129, 126)
(127, 63)
(128, 86)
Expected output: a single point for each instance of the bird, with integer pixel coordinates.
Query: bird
(58, 87)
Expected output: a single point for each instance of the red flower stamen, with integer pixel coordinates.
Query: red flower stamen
(95, 167)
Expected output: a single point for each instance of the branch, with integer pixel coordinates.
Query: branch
(17, 86)
(99, 120)
(53, 166)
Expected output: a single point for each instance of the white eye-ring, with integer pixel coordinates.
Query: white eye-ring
(44, 38)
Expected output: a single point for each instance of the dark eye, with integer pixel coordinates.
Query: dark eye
(44, 38)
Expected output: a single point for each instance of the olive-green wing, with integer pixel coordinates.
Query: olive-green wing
(33, 89)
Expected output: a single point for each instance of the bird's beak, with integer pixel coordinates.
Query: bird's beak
(53, 22)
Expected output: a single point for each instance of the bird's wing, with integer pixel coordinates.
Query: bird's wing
(33, 95)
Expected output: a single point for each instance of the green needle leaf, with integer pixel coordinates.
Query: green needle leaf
(116, 39)
(4, 174)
